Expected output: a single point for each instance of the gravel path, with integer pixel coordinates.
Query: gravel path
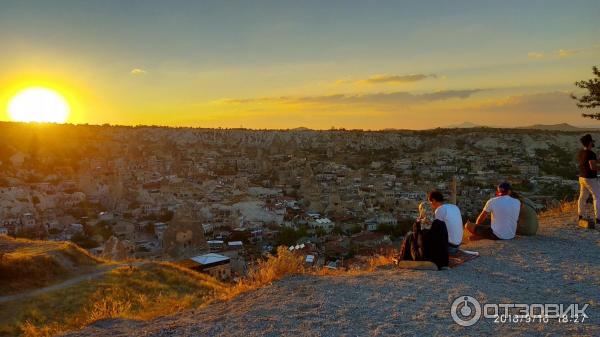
(560, 265)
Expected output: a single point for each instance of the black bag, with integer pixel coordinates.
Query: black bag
(427, 244)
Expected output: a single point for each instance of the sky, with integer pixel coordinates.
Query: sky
(317, 64)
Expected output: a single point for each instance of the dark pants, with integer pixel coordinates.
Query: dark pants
(481, 231)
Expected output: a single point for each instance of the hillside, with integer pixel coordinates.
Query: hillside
(559, 265)
(555, 127)
(26, 264)
(55, 287)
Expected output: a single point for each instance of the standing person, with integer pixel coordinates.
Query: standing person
(450, 215)
(504, 210)
(588, 177)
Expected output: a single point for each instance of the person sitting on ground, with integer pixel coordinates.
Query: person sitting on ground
(450, 215)
(504, 210)
(428, 241)
(528, 221)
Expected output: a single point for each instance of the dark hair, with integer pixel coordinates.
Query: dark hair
(435, 195)
(586, 140)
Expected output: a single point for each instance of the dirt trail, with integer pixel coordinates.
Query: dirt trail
(67, 283)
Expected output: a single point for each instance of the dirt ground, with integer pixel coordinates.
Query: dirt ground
(560, 265)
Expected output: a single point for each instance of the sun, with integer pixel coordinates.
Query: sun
(38, 104)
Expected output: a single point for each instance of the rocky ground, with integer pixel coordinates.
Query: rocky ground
(560, 265)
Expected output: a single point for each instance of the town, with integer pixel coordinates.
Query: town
(215, 200)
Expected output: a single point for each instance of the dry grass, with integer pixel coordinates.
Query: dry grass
(368, 265)
(150, 290)
(144, 292)
(564, 208)
(27, 264)
(267, 271)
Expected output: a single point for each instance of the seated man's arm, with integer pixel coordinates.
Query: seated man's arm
(481, 218)
(487, 209)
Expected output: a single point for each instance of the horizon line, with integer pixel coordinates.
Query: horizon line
(303, 128)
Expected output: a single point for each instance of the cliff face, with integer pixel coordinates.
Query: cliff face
(559, 265)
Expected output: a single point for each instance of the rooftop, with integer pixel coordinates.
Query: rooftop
(210, 258)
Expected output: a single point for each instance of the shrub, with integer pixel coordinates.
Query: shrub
(269, 270)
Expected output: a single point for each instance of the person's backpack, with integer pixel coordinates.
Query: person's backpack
(528, 221)
(435, 244)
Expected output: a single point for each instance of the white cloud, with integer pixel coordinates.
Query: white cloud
(138, 72)
(562, 53)
(535, 55)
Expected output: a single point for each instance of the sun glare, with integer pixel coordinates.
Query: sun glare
(38, 105)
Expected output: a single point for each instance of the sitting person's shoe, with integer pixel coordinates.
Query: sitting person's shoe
(585, 223)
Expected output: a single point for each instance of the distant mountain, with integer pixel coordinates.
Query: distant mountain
(548, 127)
(464, 125)
(301, 128)
(554, 127)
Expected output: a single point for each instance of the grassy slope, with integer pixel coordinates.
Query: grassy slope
(27, 264)
(140, 292)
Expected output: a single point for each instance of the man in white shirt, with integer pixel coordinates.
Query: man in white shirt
(504, 210)
(450, 215)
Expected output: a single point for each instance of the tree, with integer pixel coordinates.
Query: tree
(592, 98)
(319, 232)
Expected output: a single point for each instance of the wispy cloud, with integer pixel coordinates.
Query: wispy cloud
(399, 97)
(535, 55)
(387, 79)
(138, 72)
(377, 79)
(560, 53)
(563, 53)
(554, 103)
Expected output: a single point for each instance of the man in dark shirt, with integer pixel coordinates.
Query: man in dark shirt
(588, 176)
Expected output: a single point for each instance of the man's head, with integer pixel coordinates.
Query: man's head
(503, 189)
(587, 141)
(436, 198)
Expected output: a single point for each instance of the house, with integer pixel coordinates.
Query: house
(215, 265)
(323, 223)
(310, 260)
(371, 224)
(216, 245)
(159, 230)
(235, 245)
(28, 220)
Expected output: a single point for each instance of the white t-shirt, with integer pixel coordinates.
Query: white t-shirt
(505, 214)
(450, 214)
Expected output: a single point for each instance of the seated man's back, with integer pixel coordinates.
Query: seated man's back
(450, 214)
(505, 214)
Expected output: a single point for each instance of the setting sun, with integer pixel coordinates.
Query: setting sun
(38, 105)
